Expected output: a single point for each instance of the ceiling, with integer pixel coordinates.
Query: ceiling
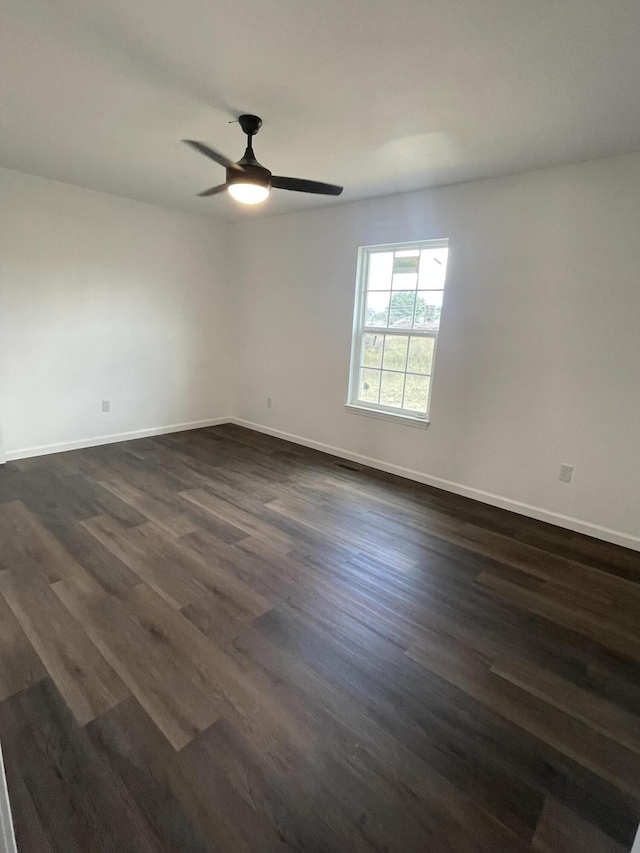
(380, 96)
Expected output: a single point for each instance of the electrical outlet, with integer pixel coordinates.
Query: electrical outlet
(268, 402)
(106, 405)
(565, 473)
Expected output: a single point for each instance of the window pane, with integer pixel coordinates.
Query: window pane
(377, 310)
(433, 268)
(372, 350)
(391, 389)
(405, 281)
(420, 355)
(395, 352)
(428, 308)
(401, 310)
(369, 385)
(380, 269)
(416, 393)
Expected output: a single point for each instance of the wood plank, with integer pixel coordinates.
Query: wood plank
(601, 756)
(110, 572)
(28, 829)
(175, 586)
(212, 575)
(27, 542)
(48, 492)
(433, 513)
(269, 573)
(139, 652)
(87, 682)
(581, 704)
(400, 555)
(237, 517)
(148, 506)
(562, 831)
(473, 749)
(189, 812)
(73, 797)
(451, 818)
(176, 572)
(239, 695)
(605, 631)
(20, 666)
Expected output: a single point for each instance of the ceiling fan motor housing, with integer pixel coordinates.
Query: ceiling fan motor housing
(252, 173)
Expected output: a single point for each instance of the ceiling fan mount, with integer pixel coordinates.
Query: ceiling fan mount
(248, 181)
(250, 124)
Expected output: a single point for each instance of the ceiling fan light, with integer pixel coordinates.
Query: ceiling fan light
(247, 192)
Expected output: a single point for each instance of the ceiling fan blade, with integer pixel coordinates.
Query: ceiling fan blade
(302, 186)
(213, 155)
(214, 190)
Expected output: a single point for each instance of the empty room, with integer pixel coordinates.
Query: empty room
(319, 426)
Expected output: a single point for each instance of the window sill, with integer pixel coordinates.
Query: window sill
(405, 420)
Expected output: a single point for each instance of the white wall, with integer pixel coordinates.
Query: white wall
(538, 361)
(105, 298)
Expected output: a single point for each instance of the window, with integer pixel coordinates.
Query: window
(397, 316)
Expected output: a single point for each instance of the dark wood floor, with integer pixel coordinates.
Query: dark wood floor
(218, 641)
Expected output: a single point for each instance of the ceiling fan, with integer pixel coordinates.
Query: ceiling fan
(249, 182)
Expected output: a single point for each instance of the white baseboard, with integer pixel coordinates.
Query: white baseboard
(616, 537)
(97, 440)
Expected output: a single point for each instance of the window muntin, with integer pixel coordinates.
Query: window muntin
(398, 305)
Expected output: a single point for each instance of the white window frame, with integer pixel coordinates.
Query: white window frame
(379, 410)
